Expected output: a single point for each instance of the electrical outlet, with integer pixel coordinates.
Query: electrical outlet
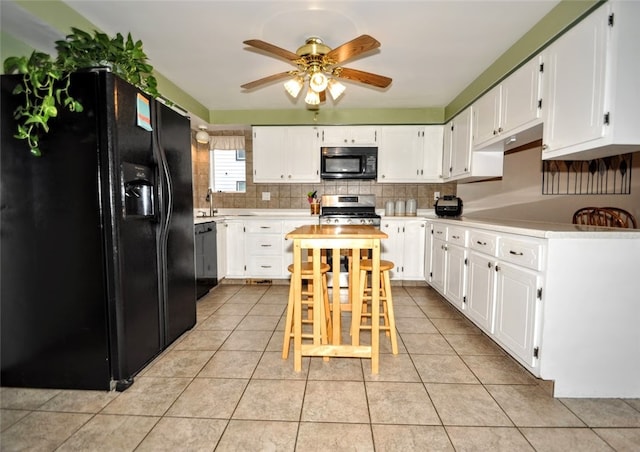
(436, 195)
(266, 196)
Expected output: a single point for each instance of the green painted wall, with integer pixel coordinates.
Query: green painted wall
(549, 28)
(565, 14)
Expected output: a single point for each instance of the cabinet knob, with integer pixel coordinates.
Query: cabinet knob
(545, 147)
(499, 129)
(489, 264)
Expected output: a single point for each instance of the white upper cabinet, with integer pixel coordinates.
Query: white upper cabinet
(458, 162)
(410, 154)
(286, 154)
(350, 136)
(591, 95)
(510, 107)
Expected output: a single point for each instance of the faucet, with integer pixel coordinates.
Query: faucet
(209, 199)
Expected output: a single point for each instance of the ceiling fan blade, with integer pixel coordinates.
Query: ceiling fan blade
(262, 81)
(363, 77)
(353, 48)
(278, 51)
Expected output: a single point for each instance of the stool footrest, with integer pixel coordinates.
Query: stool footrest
(353, 351)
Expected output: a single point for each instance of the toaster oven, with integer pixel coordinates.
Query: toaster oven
(448, 206)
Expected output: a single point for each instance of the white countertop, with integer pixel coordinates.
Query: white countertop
(542, 229)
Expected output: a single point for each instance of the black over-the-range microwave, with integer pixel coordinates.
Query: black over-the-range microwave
(349, 162)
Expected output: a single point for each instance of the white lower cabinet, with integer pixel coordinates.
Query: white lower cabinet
(404, 247)
(235, 248)
(447, 273)
(479, 300)
(454, 274)
(495, 280)
(517, 292)
(256, 247)
(221, 247)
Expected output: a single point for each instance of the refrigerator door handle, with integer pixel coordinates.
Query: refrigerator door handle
(166, 212)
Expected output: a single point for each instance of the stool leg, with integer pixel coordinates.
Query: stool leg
(327, 308)
(288, 325)
(389, 311)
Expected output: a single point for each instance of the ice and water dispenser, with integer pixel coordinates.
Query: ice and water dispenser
(137, 189)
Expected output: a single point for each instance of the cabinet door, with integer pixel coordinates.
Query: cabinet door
(455, 275)
(432, 161)
(235, 249)
(438, 254)
(391, 247)
(221, 246)
(447, 150)
(574, 81)
(401, 153)
(520, 96)
(461, 144)
(268, 154)
(350, 135)
(486, 116)
(516, 295)
(413, 247)
(302, 155)
(480, 290)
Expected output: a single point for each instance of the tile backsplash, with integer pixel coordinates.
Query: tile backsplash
(294, 196)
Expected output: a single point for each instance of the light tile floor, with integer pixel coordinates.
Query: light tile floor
(223, 386)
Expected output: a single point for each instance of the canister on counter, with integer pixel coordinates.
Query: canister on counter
(400, 208)
(389, 210)
(412, 207)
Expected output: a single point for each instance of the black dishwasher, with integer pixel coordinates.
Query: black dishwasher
(206, 257)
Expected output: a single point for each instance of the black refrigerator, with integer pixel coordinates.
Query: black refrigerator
(97, 271)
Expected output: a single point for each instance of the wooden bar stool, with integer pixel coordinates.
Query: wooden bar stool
(386, 311)
(326, 326)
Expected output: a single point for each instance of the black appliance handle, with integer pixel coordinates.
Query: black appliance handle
(166, 213)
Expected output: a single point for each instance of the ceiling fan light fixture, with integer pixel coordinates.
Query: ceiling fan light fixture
(312, 98)
(335, 88)
(202, 136)
(294, 86)
(318, 82)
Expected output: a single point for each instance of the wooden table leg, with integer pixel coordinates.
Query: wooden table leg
(375, 307)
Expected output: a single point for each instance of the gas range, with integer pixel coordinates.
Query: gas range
(349, 209)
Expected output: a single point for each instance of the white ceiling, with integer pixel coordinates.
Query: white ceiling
(431, 49)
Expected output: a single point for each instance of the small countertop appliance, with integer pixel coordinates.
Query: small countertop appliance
(448, 206)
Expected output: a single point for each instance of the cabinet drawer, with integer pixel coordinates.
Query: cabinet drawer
(457, 236)
(265, 266)
(527, 253)
(483, 242)
(264, 227)
(261, 245)
(439, 231)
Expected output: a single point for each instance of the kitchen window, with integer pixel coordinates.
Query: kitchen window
(227, 164)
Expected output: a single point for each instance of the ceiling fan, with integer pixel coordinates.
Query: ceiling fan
(318, 65)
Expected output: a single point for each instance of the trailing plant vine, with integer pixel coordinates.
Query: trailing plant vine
(46, 82)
